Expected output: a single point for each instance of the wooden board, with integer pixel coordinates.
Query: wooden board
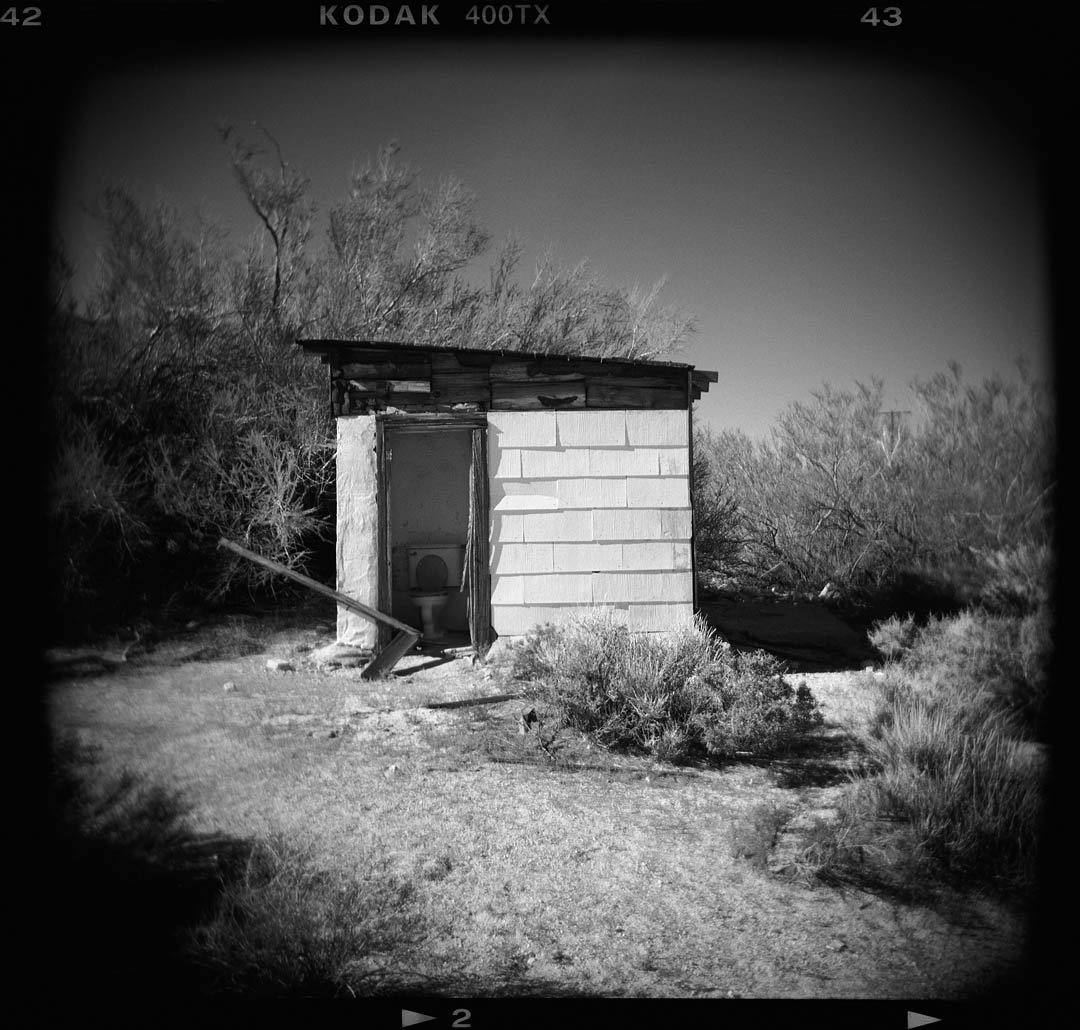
(621, 394)
(388, 657)
(404, 368)
(533, 396)
(404, 641)
(453, 383)
(534, 372)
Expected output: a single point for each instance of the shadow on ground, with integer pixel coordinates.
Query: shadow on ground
(128, 877)
(807, 635)
(819, 759)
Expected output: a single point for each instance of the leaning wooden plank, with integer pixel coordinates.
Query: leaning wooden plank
(406, 637)
(388, 657)
(318, 587)
(467, 702)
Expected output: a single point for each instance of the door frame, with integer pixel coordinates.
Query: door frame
(479, 566)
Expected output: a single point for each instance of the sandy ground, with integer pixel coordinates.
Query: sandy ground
(745, 932)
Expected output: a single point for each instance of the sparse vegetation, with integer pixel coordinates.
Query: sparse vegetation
(182, 409)
(916, 513)
(218, 915)
(674, 697)
(952, 782)
(285, 927)
(753, 836)
(438, 851)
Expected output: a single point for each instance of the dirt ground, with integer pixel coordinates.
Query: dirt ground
(620, 878)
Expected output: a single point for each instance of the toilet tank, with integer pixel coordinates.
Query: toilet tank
(453, 556)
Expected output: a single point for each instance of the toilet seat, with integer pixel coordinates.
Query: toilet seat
(431, 575)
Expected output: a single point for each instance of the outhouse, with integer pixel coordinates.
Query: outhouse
(483, 492)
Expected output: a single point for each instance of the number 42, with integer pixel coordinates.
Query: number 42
(890, 18)
(31, 17)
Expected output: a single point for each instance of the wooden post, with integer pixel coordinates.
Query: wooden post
(478, 565)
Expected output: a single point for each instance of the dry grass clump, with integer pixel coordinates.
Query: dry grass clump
(953, 775)
(673, 697)
(211, 914)
(284, 926)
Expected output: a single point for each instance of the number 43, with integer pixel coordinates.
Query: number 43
(890, 17)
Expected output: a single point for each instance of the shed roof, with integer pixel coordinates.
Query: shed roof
(371, 375)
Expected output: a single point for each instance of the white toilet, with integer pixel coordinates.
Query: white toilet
(434, 569)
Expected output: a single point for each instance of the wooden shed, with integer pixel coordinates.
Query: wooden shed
(566, 482)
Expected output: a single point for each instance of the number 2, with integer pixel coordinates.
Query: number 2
(463, 1017)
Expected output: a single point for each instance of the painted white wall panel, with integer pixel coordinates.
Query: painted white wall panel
(524, 495)
(507, 528)
(592, 493)
(559, 526)
(522, 429)
(507, 589)
(558, 464)
(507, 559)
(565, 588)
(642, 586)
(505, 463)
(674, 461)
(681, 555)
(517, 620)
(357, 527)
(587, 557)
(626, 461)
(659, 618)
(626, 524)
(671, 492)
(592, 428)
(644, 555)
(675, 524)
(657, 428)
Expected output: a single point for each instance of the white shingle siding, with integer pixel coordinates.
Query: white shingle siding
(517, 620)
(507, 528)
(591, 557)
(657, 428)
(593, 428)
(566, 588)
(675, 525)
(630, 461)
(524, 495)
(645, 555)
(552, 527)
(592, 493)
(674, 461)
(557, 464)
(627, 524)
(521, 429)
(682, 556)
(507, 464)
(507, 590)
(590, 508)
(662, 492)
(641, 586)
(660, 618)
(522, 558)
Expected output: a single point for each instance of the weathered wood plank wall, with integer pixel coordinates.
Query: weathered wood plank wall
(370, 381)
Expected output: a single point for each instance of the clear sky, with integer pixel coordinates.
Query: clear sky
(824, 218)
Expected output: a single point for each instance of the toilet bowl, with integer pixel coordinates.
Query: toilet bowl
(432, 568)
